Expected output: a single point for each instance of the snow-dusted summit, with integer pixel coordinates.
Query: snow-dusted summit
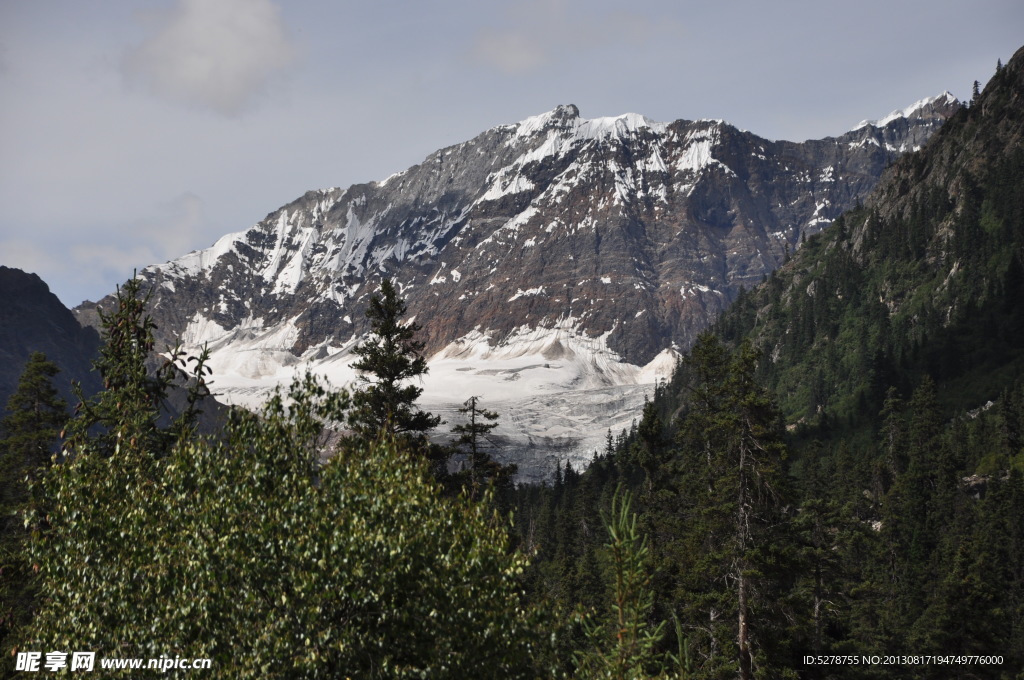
(934, 109)
(555, 264)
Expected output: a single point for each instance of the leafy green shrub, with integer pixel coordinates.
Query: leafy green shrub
(246, 551)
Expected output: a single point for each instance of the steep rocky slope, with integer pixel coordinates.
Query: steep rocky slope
(926, 279)
(32, 319)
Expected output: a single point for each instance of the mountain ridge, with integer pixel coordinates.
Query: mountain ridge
(926, 276)
(33, 319)
(557, 253)
(504, 192)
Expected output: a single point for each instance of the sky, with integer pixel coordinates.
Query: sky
(134, 132)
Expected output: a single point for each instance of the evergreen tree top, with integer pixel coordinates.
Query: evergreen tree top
(387, 360)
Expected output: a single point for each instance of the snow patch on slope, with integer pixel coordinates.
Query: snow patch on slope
(500, 186)
(696, 153)
(199, 260)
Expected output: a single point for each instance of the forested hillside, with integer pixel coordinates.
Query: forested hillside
(831, 485)
(837, 468)
(925, 279)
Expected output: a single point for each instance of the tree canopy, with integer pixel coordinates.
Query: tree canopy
(246, 551)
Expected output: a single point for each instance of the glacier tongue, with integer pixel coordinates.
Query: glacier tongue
(557, 390)
(558, 393)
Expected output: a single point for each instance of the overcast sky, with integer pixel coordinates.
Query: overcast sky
(134, 132)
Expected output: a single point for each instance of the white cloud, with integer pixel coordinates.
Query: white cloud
(510, 51)
(23, 253)
(541, 31)
(219, 54)
(178, 228)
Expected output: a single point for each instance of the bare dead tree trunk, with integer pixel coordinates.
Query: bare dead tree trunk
(743, 527)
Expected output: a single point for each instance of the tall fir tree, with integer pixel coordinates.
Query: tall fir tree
(386, 402)
(36, 415)
(733, 538)
(28, 438)
(127, 412)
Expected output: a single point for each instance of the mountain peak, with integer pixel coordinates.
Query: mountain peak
(567, 118)
(566, 111)
(562, 116)
(918, 109)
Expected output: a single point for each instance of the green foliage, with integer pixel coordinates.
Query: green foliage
(386, 363)
(128, 410)
(246, 551)
(926, 281)
(625, 647)
(28, 437)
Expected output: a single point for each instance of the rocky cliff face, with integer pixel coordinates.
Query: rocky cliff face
(32, 319)
(594, 247)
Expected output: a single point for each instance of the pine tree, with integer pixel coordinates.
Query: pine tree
(731, 491)
(650, 436)
(29, 435)
(757, 480)
(831, 542)
(908, 506)
(623, 646)
(36, 416)
(126, 413)
(472, 439)
(387, 361)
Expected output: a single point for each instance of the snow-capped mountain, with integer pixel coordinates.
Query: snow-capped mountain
(556, 264)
